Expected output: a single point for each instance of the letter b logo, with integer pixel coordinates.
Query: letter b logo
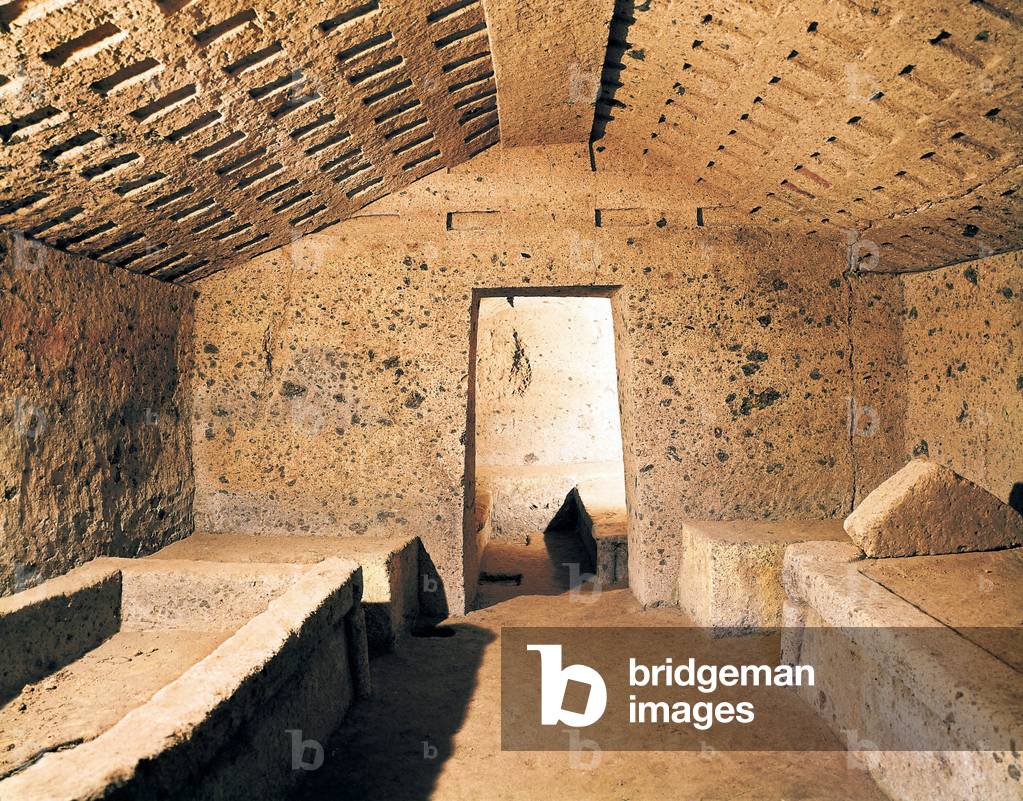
(553, 682)
(299, 747)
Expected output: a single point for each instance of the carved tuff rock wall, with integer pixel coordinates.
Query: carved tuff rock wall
(963, 338)
(331, 377)
(547, 389)
(898, 122)
(177, 138)
(750, 175)
(95, 448)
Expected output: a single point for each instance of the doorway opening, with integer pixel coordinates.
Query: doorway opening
(544, 457)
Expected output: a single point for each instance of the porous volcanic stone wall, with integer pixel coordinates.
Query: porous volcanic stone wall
(963, 340)
(547, 389)
(95, 455)
(877, 405)
(331, 376)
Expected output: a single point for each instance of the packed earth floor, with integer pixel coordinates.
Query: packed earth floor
(432, 730)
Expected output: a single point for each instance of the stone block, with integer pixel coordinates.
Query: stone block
(217, 730)
(899, 682)
(54, 623)
(731, 569)
(926, 508)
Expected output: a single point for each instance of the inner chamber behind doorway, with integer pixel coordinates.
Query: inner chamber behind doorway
(547, 417)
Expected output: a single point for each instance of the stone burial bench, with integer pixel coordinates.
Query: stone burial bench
(56, 622)
(287, 653)
(730, 575)
(602, 524)
(932, 710)
(390, 569)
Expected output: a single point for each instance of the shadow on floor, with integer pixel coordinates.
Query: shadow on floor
(393, 745)
(551, 564)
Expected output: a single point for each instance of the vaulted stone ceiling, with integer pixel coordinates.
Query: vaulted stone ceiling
(900, 123)
(170, 136)
(178, 137)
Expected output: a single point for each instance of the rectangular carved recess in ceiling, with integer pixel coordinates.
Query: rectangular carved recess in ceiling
(174, 139)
